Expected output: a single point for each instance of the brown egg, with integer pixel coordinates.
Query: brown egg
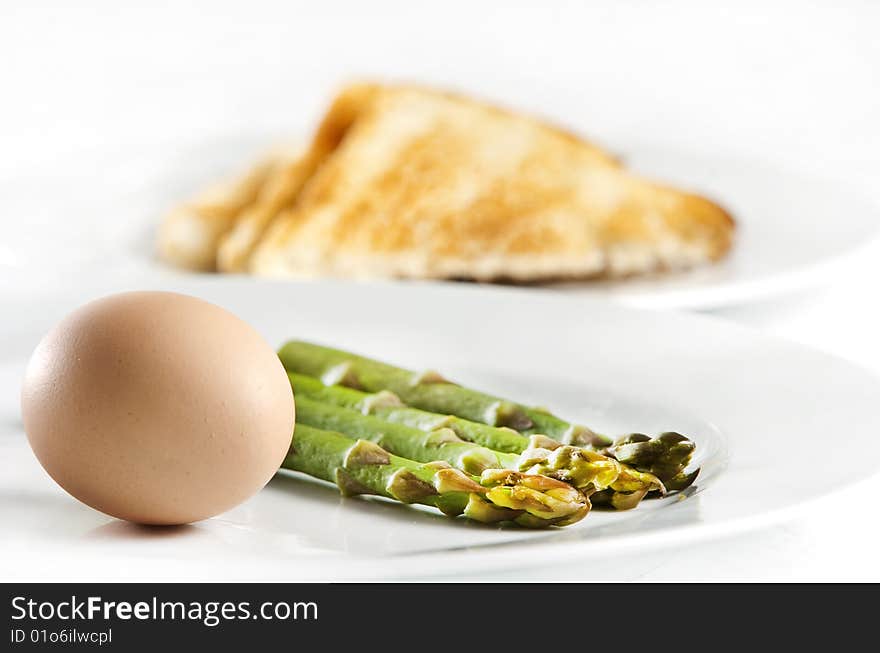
(157, 408)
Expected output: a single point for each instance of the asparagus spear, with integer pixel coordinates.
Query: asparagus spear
(584, 470)
(668, 455)
(363, 467)
(424, 446)
(388, 406)
(426, 390)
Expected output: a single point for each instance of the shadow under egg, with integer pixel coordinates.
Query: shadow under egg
(123, 530)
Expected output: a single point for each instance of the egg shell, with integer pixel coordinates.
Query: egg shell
(157, 408)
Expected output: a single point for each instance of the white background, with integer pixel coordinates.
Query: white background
(797, 83)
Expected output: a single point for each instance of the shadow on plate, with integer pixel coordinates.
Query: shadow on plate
(123, 530)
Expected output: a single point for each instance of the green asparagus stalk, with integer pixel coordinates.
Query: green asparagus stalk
(428, 391)
(363, 467)
(424, 446)
(666, 457)
(388, 406)
(425, 436)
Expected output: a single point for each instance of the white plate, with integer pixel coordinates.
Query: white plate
(777, 426)
(794, 230)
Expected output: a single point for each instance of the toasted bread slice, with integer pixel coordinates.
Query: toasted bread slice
(407, 182)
